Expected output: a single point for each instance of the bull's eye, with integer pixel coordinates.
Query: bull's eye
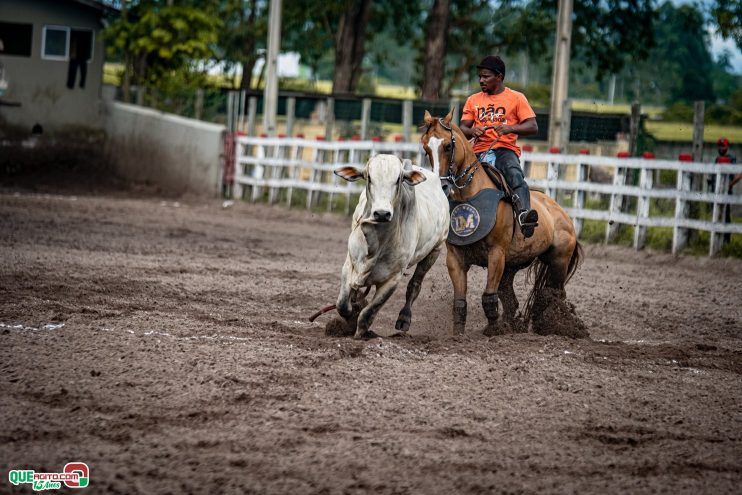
(448, 147)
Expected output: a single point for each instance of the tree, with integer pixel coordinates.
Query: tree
(680, 67)
(161, 44)
(727, 15)
(435, 50)
(349, 47)
(243, 35)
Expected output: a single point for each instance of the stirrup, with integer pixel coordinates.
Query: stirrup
(528, 220)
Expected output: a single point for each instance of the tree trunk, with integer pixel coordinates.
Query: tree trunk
(435, 50)
(249, 46)
(349, 46)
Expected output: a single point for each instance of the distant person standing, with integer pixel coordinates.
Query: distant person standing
(725, 156)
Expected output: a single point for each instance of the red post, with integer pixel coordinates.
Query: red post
(555, 150)
(320, 138)
(724, 159)
(648, 155)
(527, 147)
(685, 157)
(584, 151)
(376, 139)
(300, 136)
(623, 154)
(355, 137)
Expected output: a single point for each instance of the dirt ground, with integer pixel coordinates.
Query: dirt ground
(166, 345)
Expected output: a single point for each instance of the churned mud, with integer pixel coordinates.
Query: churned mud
(166, 345)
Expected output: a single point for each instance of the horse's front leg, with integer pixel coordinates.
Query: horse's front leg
(457, 271)
(495, 269)
(383, 292)
(413, 289)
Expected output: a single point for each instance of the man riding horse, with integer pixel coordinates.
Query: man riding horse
(495, 118)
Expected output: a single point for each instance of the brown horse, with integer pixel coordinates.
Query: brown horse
(552, 253)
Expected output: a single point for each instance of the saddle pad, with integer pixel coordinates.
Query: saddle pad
(473, 219)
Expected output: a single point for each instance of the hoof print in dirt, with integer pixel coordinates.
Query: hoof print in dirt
(553, 315)
(338, 327)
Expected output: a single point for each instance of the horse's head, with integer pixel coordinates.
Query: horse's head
(447, 150)
(439, 143)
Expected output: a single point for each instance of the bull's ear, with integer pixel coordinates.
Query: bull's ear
(428, 119)
(447, 118)
(414, 177)
(406, 164)
(351, 174)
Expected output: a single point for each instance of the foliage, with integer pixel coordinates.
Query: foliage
(159, 43)
(727, 15)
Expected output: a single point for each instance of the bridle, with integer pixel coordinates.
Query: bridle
(470, 170)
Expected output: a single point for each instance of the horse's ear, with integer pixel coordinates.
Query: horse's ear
(447, 118)
(350, 174)
(428, 119)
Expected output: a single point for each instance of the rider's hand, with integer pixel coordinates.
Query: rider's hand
(477, 131)
(503, 129)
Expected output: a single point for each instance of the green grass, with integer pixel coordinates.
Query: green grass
(681, 131)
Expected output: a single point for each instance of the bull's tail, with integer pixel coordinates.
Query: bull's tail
(541, 273)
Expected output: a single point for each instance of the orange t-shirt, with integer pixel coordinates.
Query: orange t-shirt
(509, 108)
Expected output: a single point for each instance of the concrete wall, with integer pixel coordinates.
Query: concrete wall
(178, 154)
(40, 85)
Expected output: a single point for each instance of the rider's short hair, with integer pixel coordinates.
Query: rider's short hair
(493, 63)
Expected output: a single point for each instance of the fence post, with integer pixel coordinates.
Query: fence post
(582, 176)
(634, 127)
(619, 180)
(252, 109)
(277, 170)
(642, 205)
(552, 174)
(238, 190)
(317, 158)
(680, 234)
(330, 118)
(365, 117)
(528, 148)
(199, 106)
(454, 104)
(717, 216)
(407, 120)
(258, 171)
(290, 115)
(295, 169)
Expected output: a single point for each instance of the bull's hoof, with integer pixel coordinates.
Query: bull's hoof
(404, 321)
(338, 327)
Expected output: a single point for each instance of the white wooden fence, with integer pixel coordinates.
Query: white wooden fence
(277, 167)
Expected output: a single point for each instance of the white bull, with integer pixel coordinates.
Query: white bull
(401, 220)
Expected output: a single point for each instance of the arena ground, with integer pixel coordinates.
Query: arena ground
(166, 345)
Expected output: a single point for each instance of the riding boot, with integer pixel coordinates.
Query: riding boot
(459, 316)
(527, 218)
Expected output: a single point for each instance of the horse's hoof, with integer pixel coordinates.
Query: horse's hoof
(403, 322)
(338, 327)
(367, 335)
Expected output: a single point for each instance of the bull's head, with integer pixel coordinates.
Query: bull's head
(385, 175)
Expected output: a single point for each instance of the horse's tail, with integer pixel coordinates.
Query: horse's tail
(540, 272)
